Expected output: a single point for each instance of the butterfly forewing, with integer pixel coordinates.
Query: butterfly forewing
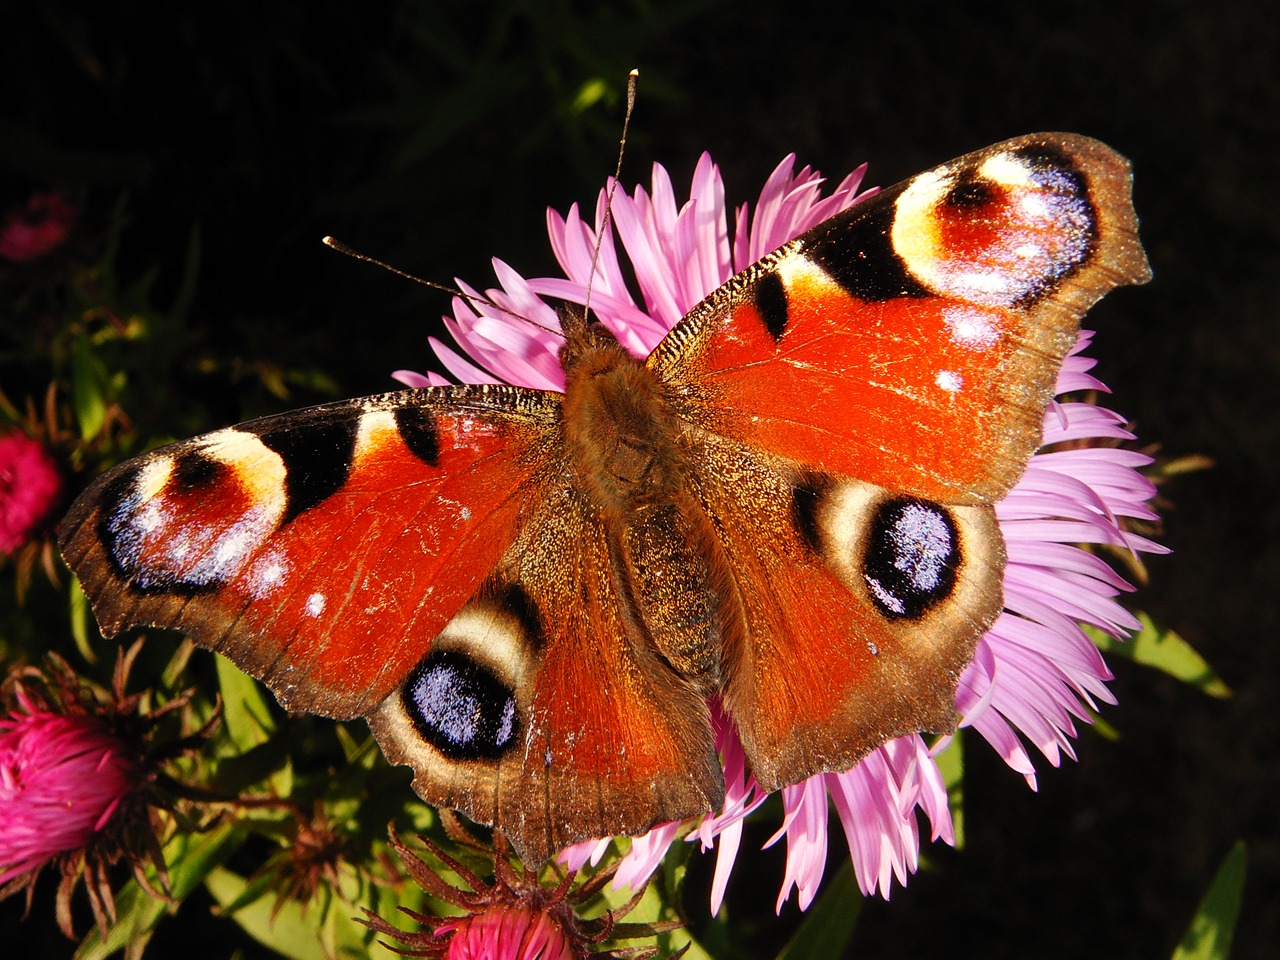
(913, 341)
(321, 550)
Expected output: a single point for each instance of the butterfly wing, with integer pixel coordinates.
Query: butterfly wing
(913, 341)
(849, 409)
(322, 549)
(595, 737)
(859, 608)
(871, 389)
(420, 559)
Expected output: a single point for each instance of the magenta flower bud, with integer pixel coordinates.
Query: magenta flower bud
(29, 489)
(62, 777)
(30, 232)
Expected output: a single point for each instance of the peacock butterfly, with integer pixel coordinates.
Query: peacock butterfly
(788, 506)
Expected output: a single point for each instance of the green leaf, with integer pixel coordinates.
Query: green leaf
(190, 857)
(1102, 728)
(269, 763)
(828, 927)
(1213, 927)
(88, 389)
(319, 932)
(177, 665)
(79, 605)
(589, 94)
(247, 717)
(1166, 651)
(351, 747)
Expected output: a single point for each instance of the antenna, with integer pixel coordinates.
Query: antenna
(341, 247)
(473, 299)
(336, 244)
(632, 79)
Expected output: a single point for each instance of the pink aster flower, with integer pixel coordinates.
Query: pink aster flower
(29, 489)
(62, 778)
(30, 232)
(1035, 673)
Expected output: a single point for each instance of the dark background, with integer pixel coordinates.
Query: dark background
(434, 135)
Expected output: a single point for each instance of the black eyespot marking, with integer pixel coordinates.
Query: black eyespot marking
(806, 498)
(193, 471)
(771, 301)
(461, 708)
(515, 600)
(128, 529)
(970, 192)
(317, 454)
(1044, 157)
(420, 434)
(913, 552)
(116, 532)
(855, 249)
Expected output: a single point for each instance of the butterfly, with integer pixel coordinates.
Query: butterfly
(787, 509)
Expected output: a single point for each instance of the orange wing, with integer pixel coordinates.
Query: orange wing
(592, 736)
(321, 550)
(914, 340)
(855, 403)
(423, 559)
(860, 608)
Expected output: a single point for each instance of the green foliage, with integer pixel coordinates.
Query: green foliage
(326, 930)
(1212, 928)
(1164, 650)
(190, 858)
(829, 925)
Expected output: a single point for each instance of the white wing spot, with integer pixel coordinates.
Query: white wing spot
(949, 381)
(150, 518)
(1034, 206)
(884, 596)
(1007, 170)
(972, 329)
(268, 572)
(315, 604)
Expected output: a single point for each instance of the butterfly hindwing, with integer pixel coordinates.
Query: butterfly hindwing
(860, 608)
(591, 735)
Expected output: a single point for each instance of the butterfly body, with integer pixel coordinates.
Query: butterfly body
(630, 455)
(786, 510)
